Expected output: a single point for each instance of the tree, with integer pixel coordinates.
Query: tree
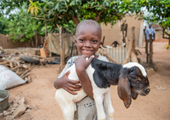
(23, 28)
(61, 11)
(3, 25)
(160, 10)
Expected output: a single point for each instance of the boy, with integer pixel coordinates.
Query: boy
(88, 39)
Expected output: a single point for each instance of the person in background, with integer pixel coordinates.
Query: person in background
(149, 31)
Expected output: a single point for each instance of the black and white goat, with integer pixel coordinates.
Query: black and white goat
(131, 79)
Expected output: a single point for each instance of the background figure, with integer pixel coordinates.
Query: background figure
(149, 31)
(115, 43)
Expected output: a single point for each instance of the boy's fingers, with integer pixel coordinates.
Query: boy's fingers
(74, 81)
(74, 88)
(71, 92)
(68, 73)
(90, 59)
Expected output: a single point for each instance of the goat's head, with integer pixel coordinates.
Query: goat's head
(133, 80)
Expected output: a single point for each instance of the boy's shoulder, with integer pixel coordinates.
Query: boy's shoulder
(71, 60)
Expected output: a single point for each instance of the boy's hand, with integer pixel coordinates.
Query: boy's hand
(81, 63)
(69, 85)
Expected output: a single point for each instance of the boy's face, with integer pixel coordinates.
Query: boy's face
(88, 40)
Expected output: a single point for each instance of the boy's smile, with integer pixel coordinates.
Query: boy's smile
(88, 39)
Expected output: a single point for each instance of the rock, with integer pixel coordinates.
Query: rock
(22, 101)
(15, 105)
(20, 110)
(1, 114)
(12, 102)
(28, 110)
(17, 98)
(10, 117)
(29, 107)
(6, 113)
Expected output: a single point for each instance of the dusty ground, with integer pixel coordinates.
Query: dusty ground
(39, 94)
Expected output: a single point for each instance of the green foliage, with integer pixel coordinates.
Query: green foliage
(3, 25)
(61, 11)
(22, 27)
(159, 8)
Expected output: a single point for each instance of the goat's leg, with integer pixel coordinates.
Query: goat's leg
(108, 104)
(69, 111)
(67, 105)
(99, 105)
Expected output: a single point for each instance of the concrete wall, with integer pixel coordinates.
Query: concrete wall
(114, 33)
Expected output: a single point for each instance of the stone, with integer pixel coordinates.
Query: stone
(22, 101)
(17, 98)
(1, 114)
(20, 110)
(10, 117)
(6, 113)
(29, 107)
(28, 110)
(15, 105)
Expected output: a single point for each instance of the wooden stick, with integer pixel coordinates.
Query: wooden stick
(130, 48)
(14, 68)
(25, 73)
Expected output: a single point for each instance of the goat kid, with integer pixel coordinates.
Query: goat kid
(131, 79)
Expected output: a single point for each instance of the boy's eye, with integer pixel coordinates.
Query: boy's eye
(81, 40)
(94, 41)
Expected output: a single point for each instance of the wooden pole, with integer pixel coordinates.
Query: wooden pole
(133, 55)
(45, 30)
(151, 51)
(129, 46)
(62, 50)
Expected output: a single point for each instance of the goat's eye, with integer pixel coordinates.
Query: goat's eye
(135, 78)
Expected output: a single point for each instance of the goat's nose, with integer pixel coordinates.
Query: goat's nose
(147, 90)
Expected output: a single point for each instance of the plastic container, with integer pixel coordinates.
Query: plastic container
(4, 95)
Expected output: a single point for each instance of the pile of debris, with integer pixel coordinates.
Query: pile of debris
(17, 107)
(14, 63)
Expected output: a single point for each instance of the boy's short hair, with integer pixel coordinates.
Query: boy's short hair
(89, 22)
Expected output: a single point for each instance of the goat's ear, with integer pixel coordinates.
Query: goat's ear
(124, 90)
(134, 95)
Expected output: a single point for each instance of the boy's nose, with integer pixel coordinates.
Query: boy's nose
(87, 44)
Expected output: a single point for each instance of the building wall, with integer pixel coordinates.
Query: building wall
(7, 43)
(113, 33)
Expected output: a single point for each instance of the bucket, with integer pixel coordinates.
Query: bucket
(4, 95)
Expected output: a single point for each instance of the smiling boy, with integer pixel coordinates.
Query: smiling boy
(88, 39)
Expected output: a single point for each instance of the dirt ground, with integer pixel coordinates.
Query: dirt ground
(39, 94)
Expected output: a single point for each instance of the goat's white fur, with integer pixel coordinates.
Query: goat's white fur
(131, 64)
(67, 101)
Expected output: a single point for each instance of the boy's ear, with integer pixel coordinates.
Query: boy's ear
(75, 41)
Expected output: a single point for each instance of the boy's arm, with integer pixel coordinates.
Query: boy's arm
(63, 82)
(81, 65)
(67, 84)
